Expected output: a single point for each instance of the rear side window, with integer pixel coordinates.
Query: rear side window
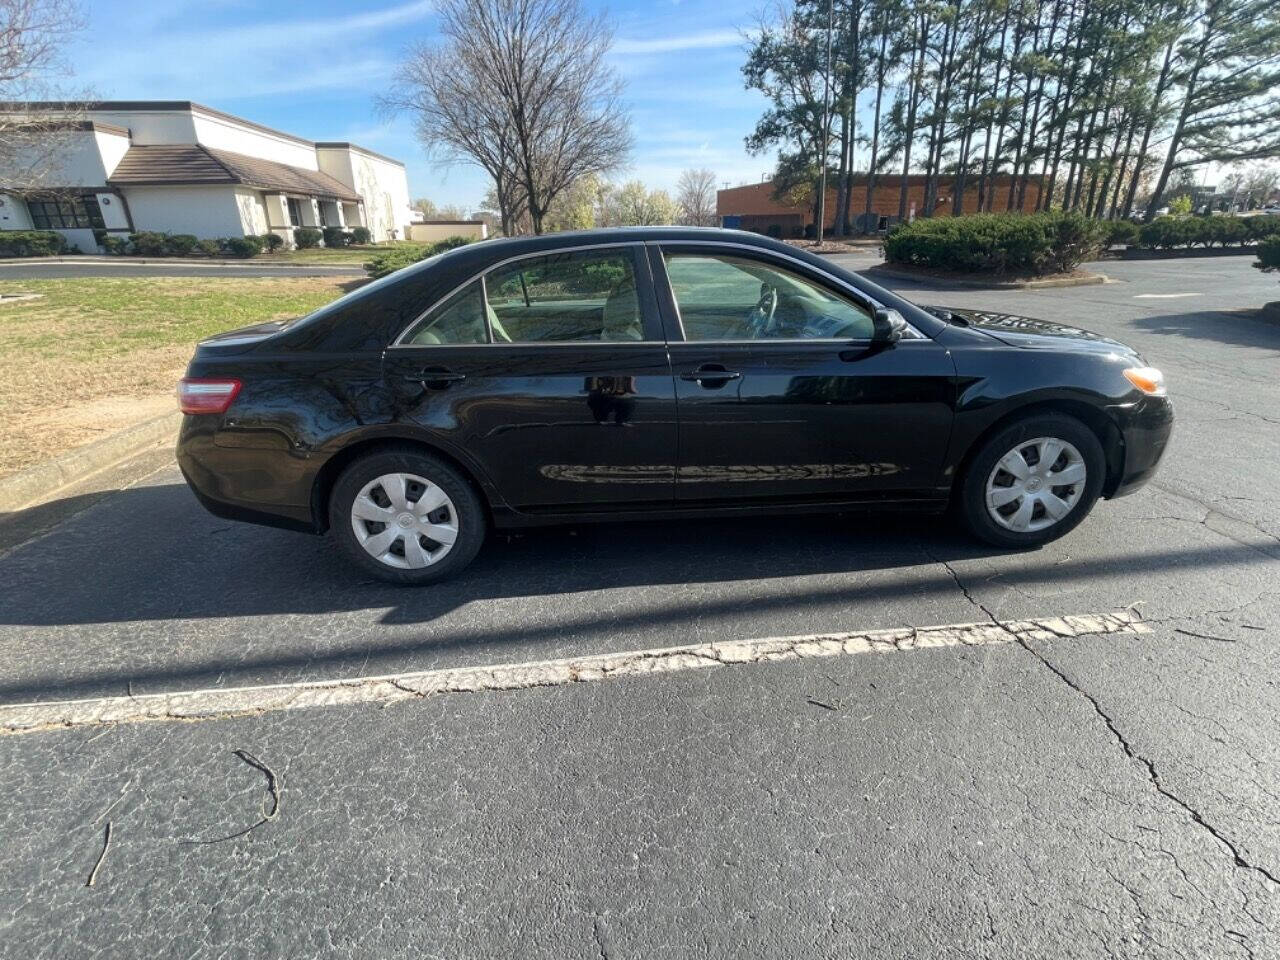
(460, 319)
(568, 297)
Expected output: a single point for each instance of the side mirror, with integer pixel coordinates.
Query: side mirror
(888, 326)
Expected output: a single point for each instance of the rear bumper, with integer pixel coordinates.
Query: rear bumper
(1145, 428)
(273, 479)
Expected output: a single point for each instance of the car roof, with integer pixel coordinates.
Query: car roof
(506, 247)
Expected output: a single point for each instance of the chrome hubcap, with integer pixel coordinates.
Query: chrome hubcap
(1035, 484)
(404, 521)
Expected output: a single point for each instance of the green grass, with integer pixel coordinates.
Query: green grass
(347, 256)
(87, 341)
(84, 318)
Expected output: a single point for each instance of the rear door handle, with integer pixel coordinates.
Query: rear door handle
(431, 377)
(711, 372)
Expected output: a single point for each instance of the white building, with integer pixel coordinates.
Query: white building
(179, 167)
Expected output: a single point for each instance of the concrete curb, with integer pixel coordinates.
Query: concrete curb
(1048, 284)
(25, 487)
(178, 262)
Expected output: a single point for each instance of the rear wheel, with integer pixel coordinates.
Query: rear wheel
(406, 517)
(1032, 481)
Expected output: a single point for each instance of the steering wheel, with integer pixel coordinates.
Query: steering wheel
(760, 318)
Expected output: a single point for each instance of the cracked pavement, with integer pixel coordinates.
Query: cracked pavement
(1061, 793)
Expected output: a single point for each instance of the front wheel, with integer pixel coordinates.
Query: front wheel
(406, 517)
(1032, 482)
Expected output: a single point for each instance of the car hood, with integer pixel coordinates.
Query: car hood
(1034, 334)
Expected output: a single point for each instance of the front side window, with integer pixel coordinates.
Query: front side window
(566, 297)
(65, 213)
(724, 297)
(460, 319)
(295, 212)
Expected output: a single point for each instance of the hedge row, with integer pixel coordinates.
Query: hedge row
(405, 255)
(1167, 233)
(1036, 244)
(151, 243)
(32, 243)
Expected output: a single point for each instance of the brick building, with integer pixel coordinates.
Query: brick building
(754, 207)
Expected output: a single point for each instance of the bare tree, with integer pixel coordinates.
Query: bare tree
(457, 121)
(521, 88)
(32, 137)
(696, 198)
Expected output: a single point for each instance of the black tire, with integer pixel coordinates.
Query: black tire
(467, 513)
(971, 501)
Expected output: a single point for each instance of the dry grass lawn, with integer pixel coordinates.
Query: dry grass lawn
(93, 355)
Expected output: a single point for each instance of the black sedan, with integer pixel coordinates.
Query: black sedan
(655, 372)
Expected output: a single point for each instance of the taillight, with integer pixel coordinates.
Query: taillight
(203, 395)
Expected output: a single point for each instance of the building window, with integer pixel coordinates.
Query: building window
(320, 211)
(65, 213)
(295, 212)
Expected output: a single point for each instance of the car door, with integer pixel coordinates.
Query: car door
(782, 393)
(550, 371)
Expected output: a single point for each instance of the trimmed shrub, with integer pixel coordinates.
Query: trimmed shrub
(210, 248)
(1121, 232)
(271, 242)
(406, 254)
(361, 235)
(147, 243)
(336, 237)
(1228, 230)
(1269, 254)
(1261, 226)
(31, 243)
(180, 244)
(1037, 244)
(114, 246)
(307, 237)
(242, 246)
(448, 243)
(381, 264)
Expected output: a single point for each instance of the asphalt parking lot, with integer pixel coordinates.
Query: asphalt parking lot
(1092, 795)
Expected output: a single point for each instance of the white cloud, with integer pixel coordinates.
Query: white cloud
(248, 59)
(707, 40)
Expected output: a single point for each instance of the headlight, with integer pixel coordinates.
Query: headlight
(1147, 379)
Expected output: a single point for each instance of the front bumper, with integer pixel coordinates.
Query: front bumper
(1145, 427)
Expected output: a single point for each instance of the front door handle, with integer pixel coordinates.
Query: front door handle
(711, 372)
(433, 378)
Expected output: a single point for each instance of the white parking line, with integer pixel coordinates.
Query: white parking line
(250, 701)
(1163, 296)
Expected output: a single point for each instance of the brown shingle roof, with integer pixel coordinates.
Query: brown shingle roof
(191, 163)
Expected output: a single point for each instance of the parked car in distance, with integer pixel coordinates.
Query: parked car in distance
(653, 372)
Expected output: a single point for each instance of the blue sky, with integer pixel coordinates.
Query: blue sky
(314, 68)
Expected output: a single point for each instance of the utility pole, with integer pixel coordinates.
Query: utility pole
(826, 132)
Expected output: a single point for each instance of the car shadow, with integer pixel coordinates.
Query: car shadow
(1244, 328)
(149, 555)
(168, 559)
